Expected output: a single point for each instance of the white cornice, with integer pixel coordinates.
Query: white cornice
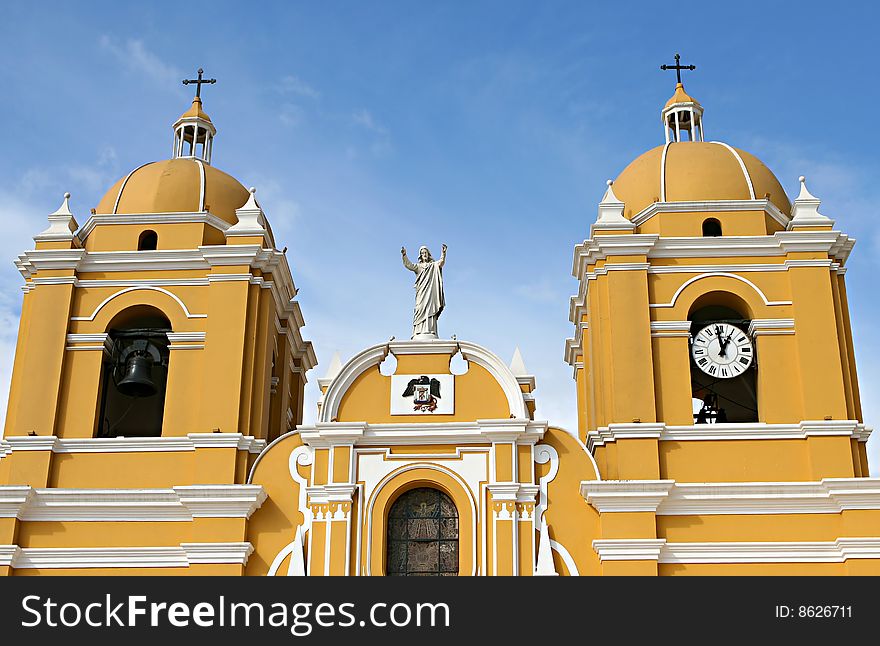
(183, 503)
(135, 444)
(667, 498)
(711, 206)
(186, 337)
(646, 549)
(743, 431)
(204, 257)
(528, 381)
(785, 265)
(99, 338)
(428, 346)
(99, 219)
(626, 495)
(13, 498)
(628, 549)
(601, 247)
(836, 551)
(836, 244)
(8, 554)
(330, 493)
(577, 303)
(671, 329)
(31, 442)
(221, 501)
(522, 431)
(235, 553)
(183, 555)
(515, 492)
(573, 352)
(268, 261)
(614, 432)
(764, 327)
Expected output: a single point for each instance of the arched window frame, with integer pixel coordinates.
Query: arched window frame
(438, 526)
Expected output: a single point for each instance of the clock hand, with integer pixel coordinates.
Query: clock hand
(722, 345)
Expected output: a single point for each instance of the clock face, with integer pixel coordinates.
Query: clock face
(722, 350)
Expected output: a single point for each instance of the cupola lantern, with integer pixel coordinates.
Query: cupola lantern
(193, 131)
(682, 115)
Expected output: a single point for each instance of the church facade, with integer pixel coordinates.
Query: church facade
(155, 418)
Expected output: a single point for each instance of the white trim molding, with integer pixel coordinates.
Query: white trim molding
(646, 549)
(628, 549)
(718, 274)
(613, 432)
(732, 431)
(176, 298)
(196, 217)
(836, 551)
(765, 327)
(13, 498)
(671, 329)
(184, 555)
(326, 434)
(669, 498)
(182, 503)
(134, 444)
(374, 355)
(836, 244)
(186, 337)
(609, 496)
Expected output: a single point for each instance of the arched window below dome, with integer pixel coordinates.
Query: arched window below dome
(422, 534)
(711, 227)
(148, 241)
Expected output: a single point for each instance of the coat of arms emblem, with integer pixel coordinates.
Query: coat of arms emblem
(425, 393)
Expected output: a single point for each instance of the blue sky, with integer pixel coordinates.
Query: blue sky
(491, 126)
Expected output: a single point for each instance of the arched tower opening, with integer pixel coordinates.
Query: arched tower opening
(723, 362)
(148, 241)
(134, 374)
(711, 227)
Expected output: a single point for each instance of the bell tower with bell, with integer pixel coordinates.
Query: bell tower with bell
(160, 342)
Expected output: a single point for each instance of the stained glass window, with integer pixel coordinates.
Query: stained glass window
(423, 534)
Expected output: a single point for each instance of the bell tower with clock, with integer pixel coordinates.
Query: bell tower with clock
(723, 368)
(712, 338)
(714, 365)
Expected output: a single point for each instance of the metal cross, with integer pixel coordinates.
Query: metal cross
(199, 81)
(678, 68)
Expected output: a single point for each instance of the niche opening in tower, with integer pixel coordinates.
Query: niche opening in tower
(723, 362)
(135, 374)
(148, 241)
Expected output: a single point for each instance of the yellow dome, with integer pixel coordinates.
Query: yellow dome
(175, 186)
(695, 171)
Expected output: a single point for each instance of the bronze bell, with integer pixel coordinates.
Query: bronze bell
(138, 380)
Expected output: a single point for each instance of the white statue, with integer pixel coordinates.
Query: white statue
(429, 292)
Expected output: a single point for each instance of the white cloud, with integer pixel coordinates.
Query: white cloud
(364, 119)
(294, 85)
(134, 55)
